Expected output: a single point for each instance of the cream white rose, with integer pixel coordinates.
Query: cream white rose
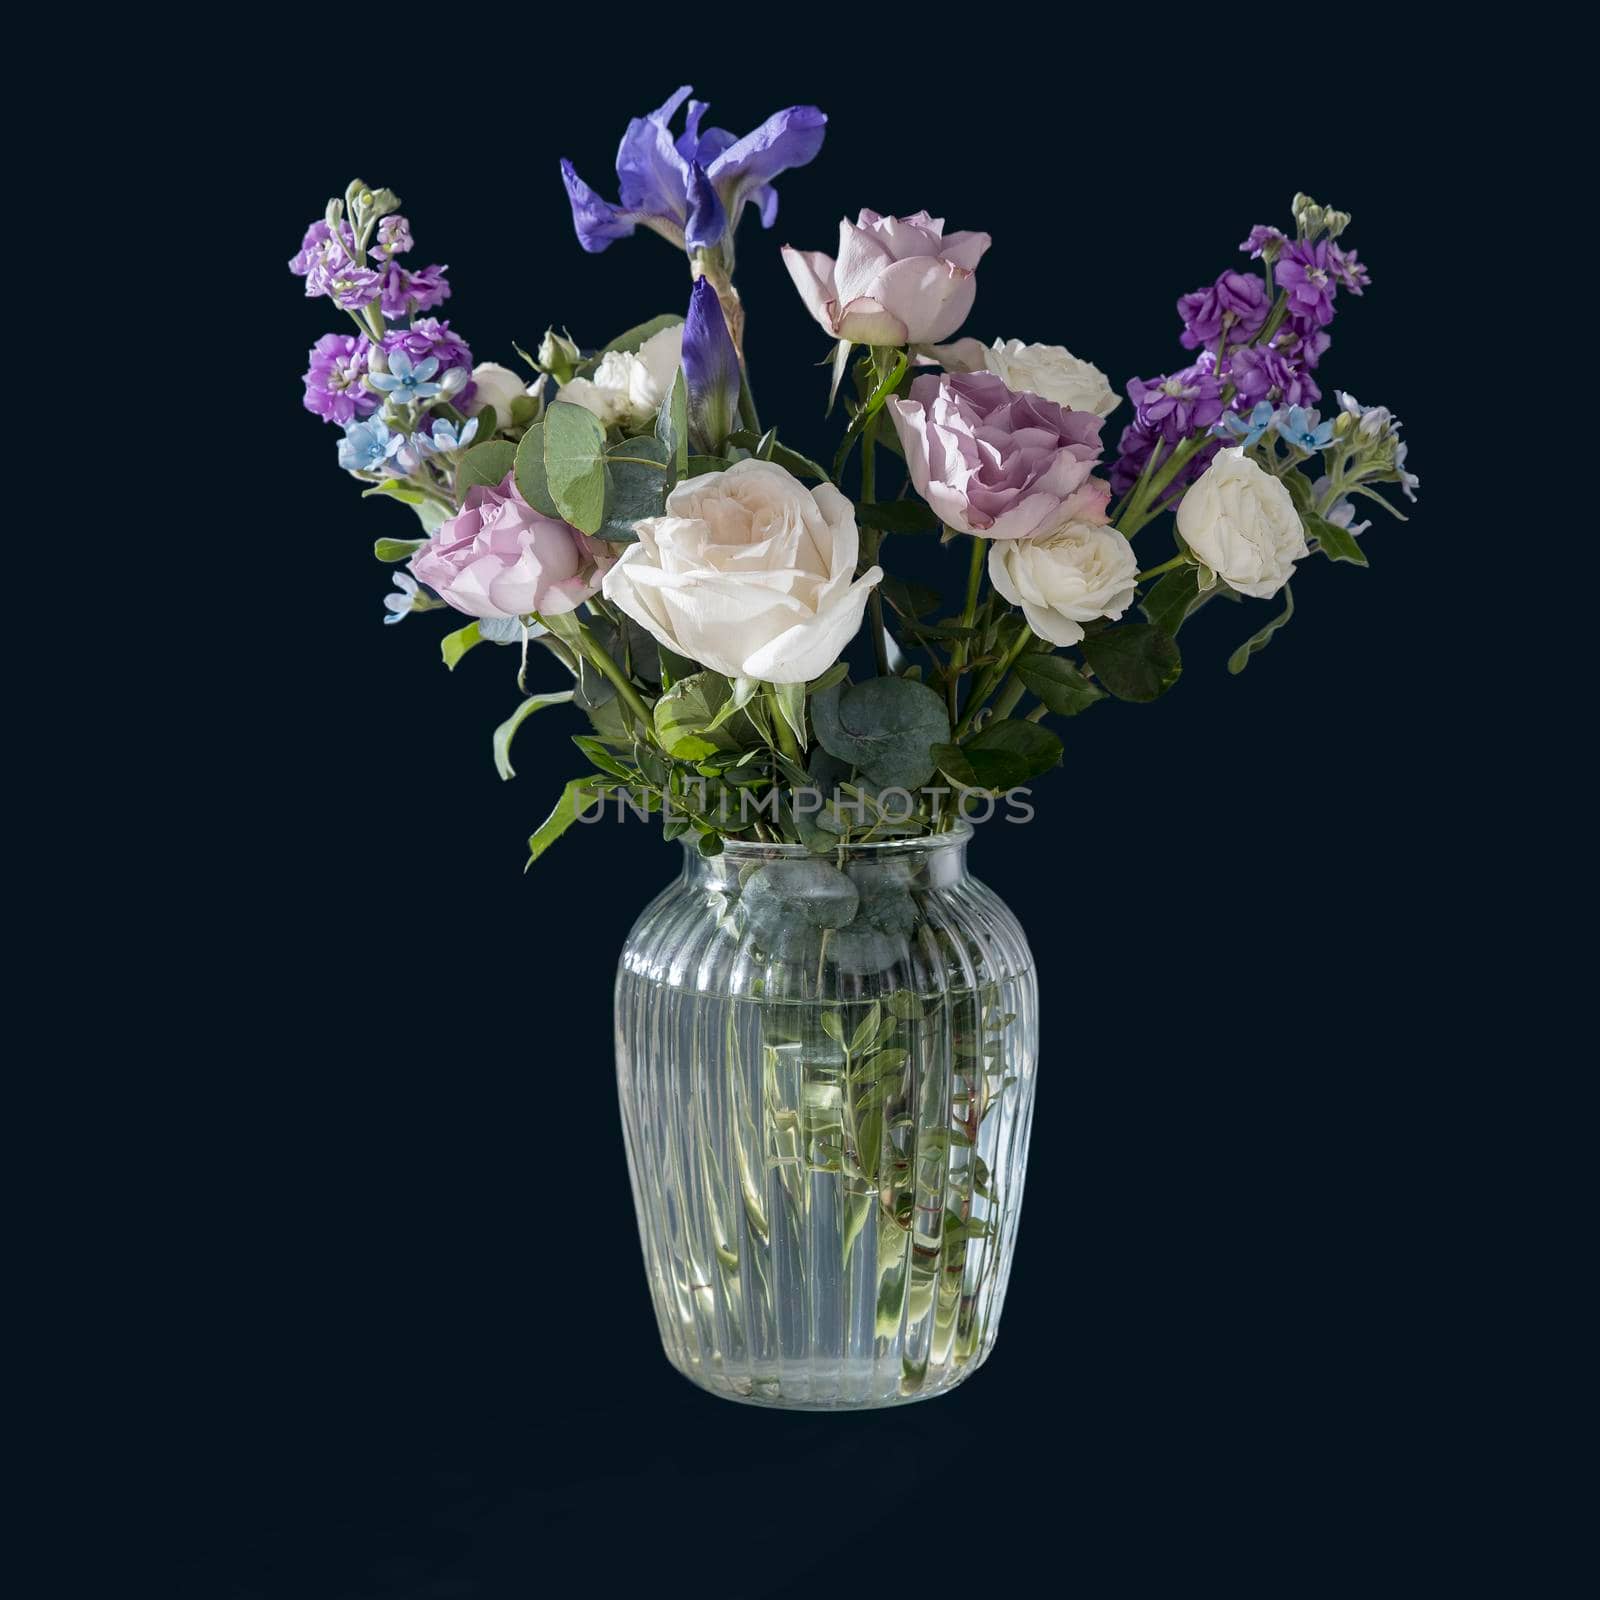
(497, 386)
(1240, 521)
(1049, 370)
(625, 391)
(1062, 579)
(749, 573)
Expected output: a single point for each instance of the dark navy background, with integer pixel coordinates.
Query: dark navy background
(417, 1354)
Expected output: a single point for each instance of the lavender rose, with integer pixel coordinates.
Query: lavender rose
(898, 280)
(498, 557)
(994, 463)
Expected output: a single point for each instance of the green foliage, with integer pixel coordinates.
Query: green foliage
(575, 464)
(898, 516)
(507, 731)
(1336, 543)
(767, 448)
(1137, 661)
(672, 425)
(1240, 658)
(560, 819)
(885, 727)
(396, 549)
(1172, 599)
(1057, 683)
(532, 479)
(638, 476)
(485, 464)
(686, 717)
(455, 645)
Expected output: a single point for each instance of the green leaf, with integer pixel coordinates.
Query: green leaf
(396, 489)
(672, 424)
(1240, 658)
(396, 549)
(455, 645)
(1300, 490)
(603, 758)
(1037, 749)
(699, 466)
(484, 464)
(1336, 543)
(867, 1028)
(790, 460)
(1170, 601)
(559, 820)
(910, 600)
(638, 478)
(837, 673)
(686, 717)
(791, 698)
(869, 408)
(898, 516)
(993, 771)
(575, 464)
(507, 731)
(1058, 684)
(488, 424)
(531, 477)
(784, 897)
(884, 727)
(1137, 661)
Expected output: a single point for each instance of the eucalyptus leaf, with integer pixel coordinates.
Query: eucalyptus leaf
(1059, 684)
(575, 464)
(507, 731)
(811, 894)
(396, 549)
(455, 645)
(1172, 599)
(1240, 658)
(1137, 661)
(484, 464)
(885, 727)
(638, 479)
(531, 477)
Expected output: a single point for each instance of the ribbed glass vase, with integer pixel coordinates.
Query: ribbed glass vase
(826, 1069)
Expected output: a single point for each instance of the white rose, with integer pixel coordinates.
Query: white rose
(1077, 572)
(1240, 521)
(749, 573)
(1048, 370)
(625, 390)
(497, 386)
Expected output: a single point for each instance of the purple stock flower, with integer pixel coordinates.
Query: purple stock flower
(692, 187)
(321, 256)
(405, 294)
(1237, 301)
(426, 337)
(1176, 406)
(1260, 372)
(334, 390)
(710, 370)
(1350, 272)
(394, 236)
(1306, 275)
(1263, 239)
(352, 287)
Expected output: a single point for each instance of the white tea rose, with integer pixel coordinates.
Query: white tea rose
(1048, 370)
(749, 573)
(497, 386)
(626, 390)
(1069, 576)
(1240, 521)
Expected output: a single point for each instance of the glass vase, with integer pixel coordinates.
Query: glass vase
(826, 1071)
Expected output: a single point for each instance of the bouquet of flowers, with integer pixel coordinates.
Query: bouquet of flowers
(627, 512)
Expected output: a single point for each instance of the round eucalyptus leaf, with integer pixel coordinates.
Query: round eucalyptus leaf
(886, 727)
(812, 894)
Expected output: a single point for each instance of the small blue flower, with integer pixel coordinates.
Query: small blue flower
(1302, 429)
(1247, 432)
(400, 606)
(367, 446)
(446, 438)
(407, 381)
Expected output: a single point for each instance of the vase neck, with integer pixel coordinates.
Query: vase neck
(938, 861)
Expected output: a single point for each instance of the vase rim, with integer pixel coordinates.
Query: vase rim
(756, 850)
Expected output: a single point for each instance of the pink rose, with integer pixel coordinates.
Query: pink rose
(996, 463)
(498, 557)
(898, 280)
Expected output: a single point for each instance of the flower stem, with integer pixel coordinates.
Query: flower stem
(874, 540)
(1166, 566)
(990, 681)
(958, 650)
(629, 696)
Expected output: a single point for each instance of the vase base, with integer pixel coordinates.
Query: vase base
(859, 1389)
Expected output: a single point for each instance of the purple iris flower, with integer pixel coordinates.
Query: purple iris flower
(710, 370)
(692, 187)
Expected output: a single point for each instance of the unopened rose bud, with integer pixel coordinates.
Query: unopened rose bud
(558, 355)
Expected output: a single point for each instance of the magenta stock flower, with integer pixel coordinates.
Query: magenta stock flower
(995, 463)
(498, 557)
(897, 280)
(334, 390)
